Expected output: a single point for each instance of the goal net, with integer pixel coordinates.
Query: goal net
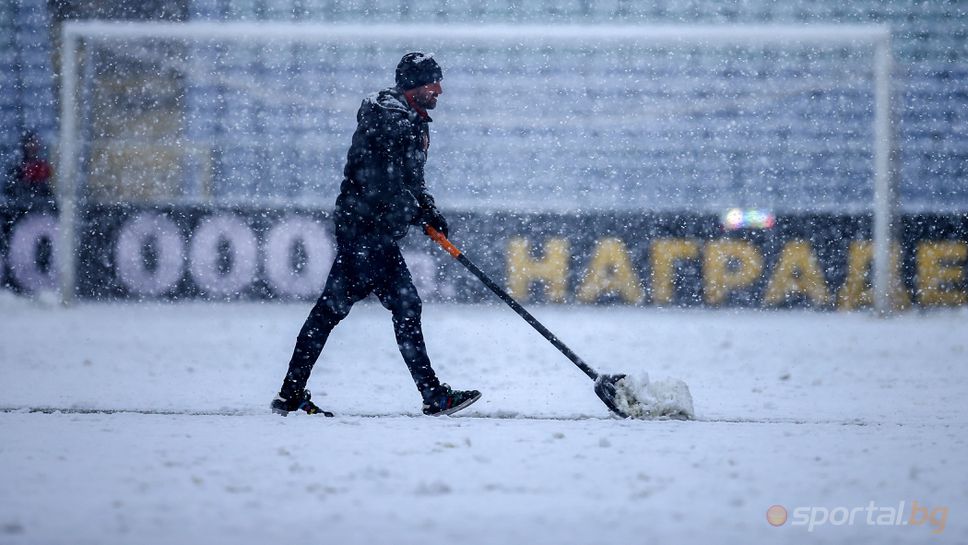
(765, 120)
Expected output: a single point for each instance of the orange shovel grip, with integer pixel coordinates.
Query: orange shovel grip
(440, 239)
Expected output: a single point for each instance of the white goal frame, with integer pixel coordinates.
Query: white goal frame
(75, 33)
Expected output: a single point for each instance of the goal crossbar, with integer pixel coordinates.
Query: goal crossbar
(493, 33)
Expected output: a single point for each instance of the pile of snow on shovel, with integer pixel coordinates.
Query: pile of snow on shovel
(641, 398)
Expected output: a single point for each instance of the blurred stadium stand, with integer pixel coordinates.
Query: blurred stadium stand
(831, 159)
(26, 76)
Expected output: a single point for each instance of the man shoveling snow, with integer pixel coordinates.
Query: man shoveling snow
(382, 195)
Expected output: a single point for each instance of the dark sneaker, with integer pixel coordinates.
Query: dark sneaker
(447, 401)
(283, 406)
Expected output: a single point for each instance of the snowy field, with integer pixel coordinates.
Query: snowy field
(169, 440)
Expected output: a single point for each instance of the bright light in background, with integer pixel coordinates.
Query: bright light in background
(738, 218)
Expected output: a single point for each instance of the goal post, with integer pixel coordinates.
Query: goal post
(885, 178)
(496, 47)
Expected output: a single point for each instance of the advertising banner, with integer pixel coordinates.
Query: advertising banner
(739, 259)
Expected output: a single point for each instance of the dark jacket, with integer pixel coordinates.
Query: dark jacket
(383, 190)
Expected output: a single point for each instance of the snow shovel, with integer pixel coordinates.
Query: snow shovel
(606, 386)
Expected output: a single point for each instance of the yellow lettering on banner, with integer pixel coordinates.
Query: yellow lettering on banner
(727, 266)
(611, 273)
(797, 271)
(941, 272)
(856, 290)
(552, 270)
(665, 254)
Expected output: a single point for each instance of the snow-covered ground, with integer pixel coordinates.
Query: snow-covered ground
(801, 409)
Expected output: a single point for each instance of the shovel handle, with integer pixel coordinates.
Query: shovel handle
(442, 241)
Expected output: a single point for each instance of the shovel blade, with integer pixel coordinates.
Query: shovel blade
(606, 390)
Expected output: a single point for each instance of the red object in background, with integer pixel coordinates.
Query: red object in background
(36, 171)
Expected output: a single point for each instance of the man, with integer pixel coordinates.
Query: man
(382, 195)
(28, 181)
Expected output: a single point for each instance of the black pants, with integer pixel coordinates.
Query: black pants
(358, 271)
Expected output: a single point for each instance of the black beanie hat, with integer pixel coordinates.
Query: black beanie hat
(416, 69)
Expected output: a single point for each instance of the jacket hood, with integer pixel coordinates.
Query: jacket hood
(389, 99)
(392, 100)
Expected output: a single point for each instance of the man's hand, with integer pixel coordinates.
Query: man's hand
(432, 217)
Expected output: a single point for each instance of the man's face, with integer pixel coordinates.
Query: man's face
(426, 95)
